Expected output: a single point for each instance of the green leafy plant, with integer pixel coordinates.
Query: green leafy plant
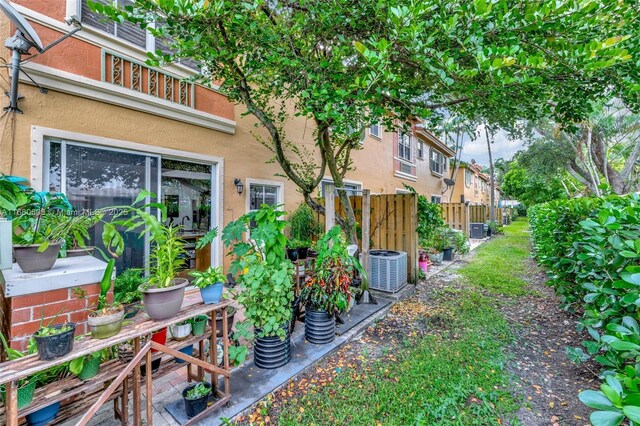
(126, 286)
(77, 365)
(198, 391)
(211, 276)
(438, 240)
(430, 218)
(328, 289)
(460, 242)
(591, 247)
(167, 247)
(78, 232)
(265, 277)
(302, 225)
(207, 239)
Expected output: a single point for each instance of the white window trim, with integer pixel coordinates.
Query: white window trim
(405, 176)
(379, 137)
(465, 178)
(402, 191)
(409, 140)
(39, 134)
(328, 179)
(250, 181)
(420, 143)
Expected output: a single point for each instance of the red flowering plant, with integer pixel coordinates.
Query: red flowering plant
(328, 289)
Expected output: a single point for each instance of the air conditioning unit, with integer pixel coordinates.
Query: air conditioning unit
(477, 231)
(387, 270)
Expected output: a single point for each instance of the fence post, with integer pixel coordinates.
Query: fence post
(330, 208)
(366, 228)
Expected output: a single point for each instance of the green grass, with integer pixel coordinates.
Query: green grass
(452, 376)
(449, 378)
(501, 263)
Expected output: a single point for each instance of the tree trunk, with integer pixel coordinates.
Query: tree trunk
(492, 208)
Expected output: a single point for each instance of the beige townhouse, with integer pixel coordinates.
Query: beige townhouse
(111, 126)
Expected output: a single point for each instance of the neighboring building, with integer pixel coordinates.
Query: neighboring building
(111, 126)
(471, 185)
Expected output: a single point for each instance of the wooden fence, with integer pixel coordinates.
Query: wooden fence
(459, 215)
(393, 224)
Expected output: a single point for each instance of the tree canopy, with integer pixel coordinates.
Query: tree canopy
(344, 65)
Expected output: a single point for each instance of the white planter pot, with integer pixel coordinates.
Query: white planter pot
(180, 332)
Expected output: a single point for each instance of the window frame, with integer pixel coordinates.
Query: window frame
(279, 193)
(357, 186)
(406, 148)
(468, 178)
(377, 126)
(440, 162)
(420, 149)
(438, 199)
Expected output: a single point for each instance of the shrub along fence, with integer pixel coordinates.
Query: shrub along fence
(592, 248)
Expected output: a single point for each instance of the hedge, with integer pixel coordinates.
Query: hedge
(591, 247)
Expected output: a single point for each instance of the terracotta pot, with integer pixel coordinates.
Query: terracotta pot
(30, 260)
(164, 303)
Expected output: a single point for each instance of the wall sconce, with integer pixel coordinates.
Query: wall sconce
(239, 186)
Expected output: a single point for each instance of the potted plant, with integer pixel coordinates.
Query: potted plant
(27, 386)
(436, 245)
(327, 293)
(106, 320)
(39, 228)
(231, 312)
(265, 285)
(180, 330)
(163, 291)
(302, 228)
(292, 250)
(187, 350)
(196, 398)
(54, 341)
(210, 283)
(126, 291)
(199, 324)
(88, 366)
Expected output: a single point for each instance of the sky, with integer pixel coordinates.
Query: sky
(502, 147)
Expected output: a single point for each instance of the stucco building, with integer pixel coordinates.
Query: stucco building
(111, 126)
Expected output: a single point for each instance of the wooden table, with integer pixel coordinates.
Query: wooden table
(119, 376)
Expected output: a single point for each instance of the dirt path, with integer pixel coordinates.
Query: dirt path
(543, 380)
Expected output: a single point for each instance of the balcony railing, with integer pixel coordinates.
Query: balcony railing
(133, 75)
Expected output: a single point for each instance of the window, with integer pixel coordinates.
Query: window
(438, 162)
(94, 177)
(475, 182)
(376, 131)
(436, 199)
(404, 146)
(351, 188)
(483, 186)
(122, 30)
(260, 194)
(467, 177)
(420, 149)
(127, 31)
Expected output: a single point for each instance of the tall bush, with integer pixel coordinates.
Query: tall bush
(592, 249)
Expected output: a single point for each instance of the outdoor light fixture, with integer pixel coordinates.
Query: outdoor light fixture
(239, 186)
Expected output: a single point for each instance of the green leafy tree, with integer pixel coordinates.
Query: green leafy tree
(529, 187)
(343, 65)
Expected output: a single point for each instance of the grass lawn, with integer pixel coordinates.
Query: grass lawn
(452, 374)
(500, 265)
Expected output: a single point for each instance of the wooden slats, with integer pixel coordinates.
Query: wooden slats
(393, 224)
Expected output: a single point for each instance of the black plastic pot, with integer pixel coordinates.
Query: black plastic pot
(295, 309)
(193, 407)
(272, 352)
(303, 252)
(51, 347)
(447, 254)
(319, 327)
(229, 324)
(292, 254)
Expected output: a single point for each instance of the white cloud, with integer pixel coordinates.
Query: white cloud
(502, 147)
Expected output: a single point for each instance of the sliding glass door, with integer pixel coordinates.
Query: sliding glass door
(94, 176)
